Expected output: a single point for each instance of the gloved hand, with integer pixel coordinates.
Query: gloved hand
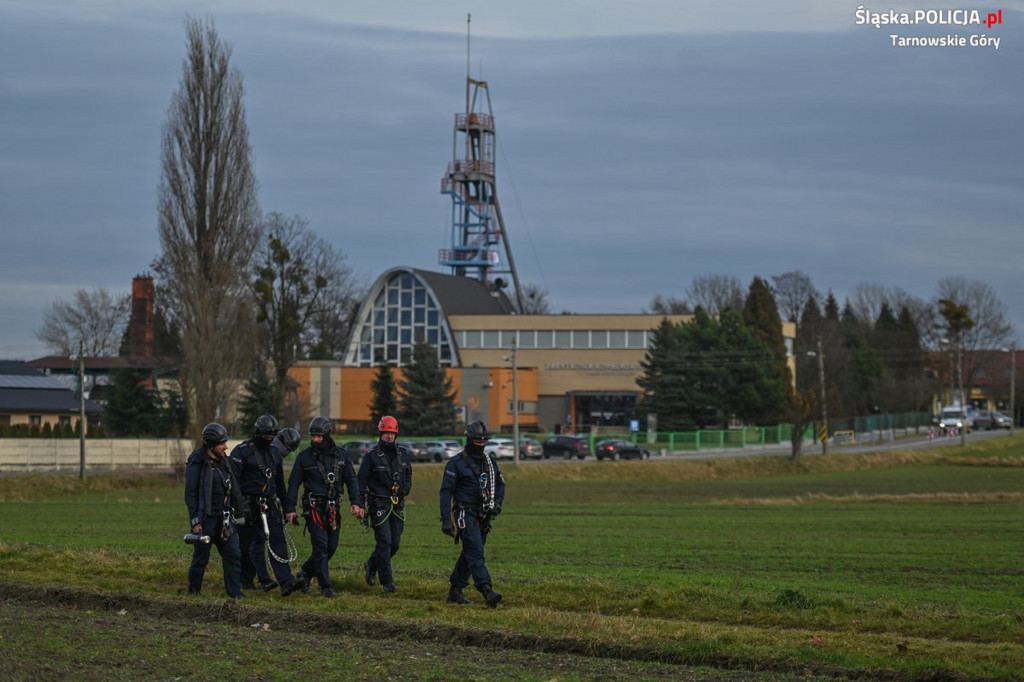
(496, 510)
(448, 529)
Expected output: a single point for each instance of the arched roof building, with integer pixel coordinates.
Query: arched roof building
(406, 305)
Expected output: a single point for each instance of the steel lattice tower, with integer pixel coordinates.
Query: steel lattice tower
(480, 246)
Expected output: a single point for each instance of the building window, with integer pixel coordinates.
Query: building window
(402, 314)
(563, 338)
(637, 338)
(545, 338)
(35, 420)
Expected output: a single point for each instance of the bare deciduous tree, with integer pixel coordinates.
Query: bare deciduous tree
(669, 305)
(991, 329)
(208, 222)
(792, 292)
(535, 300)
(715, 293)
(96, 318)
(302, 281)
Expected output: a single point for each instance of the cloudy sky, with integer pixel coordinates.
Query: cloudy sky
(640, 143)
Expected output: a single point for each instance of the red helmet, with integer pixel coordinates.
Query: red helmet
(388, 424)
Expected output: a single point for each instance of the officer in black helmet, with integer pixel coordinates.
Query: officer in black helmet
(213, 498)
(259, 463)
(472, 492)
(322, 469)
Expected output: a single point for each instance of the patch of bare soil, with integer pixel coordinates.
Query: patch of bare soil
(211, 632)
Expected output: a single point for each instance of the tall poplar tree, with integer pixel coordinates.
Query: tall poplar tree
(208, 223)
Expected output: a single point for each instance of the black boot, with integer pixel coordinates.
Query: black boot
(293, 584)
(490, 596)
(455, 596)
(368, 574)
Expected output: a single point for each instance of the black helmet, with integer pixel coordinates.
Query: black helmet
(320, 426)
(266, 426)
(476, 432)
(214, 434)
(289, 438)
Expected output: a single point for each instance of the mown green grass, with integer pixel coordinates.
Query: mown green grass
(897, 566)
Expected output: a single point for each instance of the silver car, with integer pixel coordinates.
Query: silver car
(442, 450)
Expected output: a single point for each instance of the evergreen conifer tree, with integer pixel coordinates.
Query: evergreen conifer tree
(426, 396)
(385, 393)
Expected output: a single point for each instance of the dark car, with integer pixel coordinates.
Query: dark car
(357, 448)
(566, 446)
(616, 448)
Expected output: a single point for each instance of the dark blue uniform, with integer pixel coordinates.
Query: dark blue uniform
(322, 472)
(212, 496)
(472, 492)
(385, 477)
(261, 474)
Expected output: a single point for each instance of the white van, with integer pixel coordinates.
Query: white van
(953, 418)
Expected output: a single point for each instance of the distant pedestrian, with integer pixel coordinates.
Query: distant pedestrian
(322, 469)
(212, 495)
(472, 492)
(385, 477)
(259, 463)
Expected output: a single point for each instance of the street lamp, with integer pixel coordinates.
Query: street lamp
(515, 404)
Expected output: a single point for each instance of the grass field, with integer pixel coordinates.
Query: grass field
(891, 566)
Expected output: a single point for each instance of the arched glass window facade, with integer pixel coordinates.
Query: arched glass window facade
(404, 310)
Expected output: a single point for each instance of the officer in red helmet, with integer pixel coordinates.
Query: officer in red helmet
(385, 477)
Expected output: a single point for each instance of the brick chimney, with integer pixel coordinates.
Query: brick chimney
(140, 326)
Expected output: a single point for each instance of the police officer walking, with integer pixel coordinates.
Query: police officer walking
(385, 477)
(259, 463)
(212, 495)
(472, 492)
(322, 470)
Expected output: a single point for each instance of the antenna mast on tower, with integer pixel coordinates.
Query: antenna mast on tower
(480, 246)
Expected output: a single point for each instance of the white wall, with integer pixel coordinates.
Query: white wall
(62, 454)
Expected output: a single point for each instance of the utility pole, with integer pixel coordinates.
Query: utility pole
(824, 402)
(81, 411)
(515, 404)
(960, 386)
(1013, 377)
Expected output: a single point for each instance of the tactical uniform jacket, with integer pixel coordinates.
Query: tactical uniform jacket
(307, 472)
(206, 482)
(378, 471)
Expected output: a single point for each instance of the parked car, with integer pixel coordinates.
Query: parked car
(501, 448)
(566, 446)
(442, 450)
(417, 450)
(990, 420)
(1001, 421)
(357, 448)
(530, 448)
(617, 448)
